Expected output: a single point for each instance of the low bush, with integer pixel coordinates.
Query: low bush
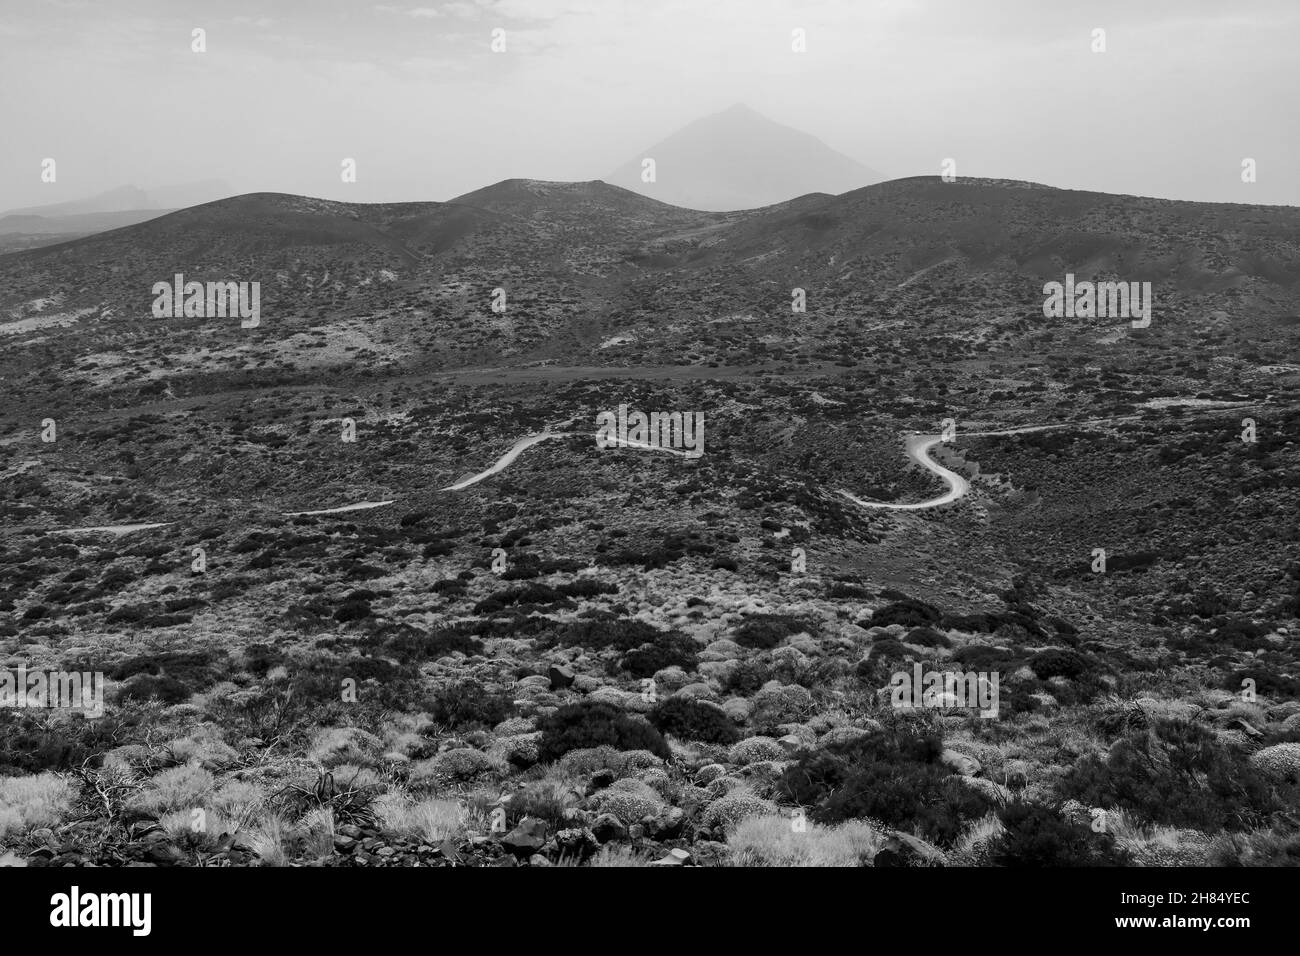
(169, 690)
(691, 719)
(894, 776)
(771, 841)
(467, 704)
(670, 650)
(589, 724)
(1174, 772)
(763, 631)
(1058, 663)
(908, 612)
(1036, 836)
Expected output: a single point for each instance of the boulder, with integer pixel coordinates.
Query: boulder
(677, 857)
(960, 763)
(527, 838)
(608, 827)
(903, 849)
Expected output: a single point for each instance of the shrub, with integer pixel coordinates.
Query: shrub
(588, 760)
(410, 644)
(461, 765)
(1278, 846)
(630, 807)
(771, 841)
(730, 810)
(669, 650)
(1174, 772)
(843, 590)
(888, 649)
(519, 750)
(1280, 761)
(166, 689)
(755, 749)
(1058, 663)
(177, 788)
(467, 703)
(30, 743)
(1035, 836)
(205, 747)
(634, 760)
(926, 637)
(588, 587)
(195, 668)
(895, 777)
(339, 745)
(260, 658)
(691, 719)
(781, 705)
(532, 594)
(426, 821)
(590, 724)
(353, 610)
(983, 657)
(908, 612)
(746, 677)
(763, 631)
(1267, 681)
(36, 801)
(544, 800)
(601, 631)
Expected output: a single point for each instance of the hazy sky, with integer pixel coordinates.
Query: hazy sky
(287, 88)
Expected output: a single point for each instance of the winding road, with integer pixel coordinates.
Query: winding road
(917, 448)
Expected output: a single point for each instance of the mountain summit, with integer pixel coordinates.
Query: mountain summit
(739, 159)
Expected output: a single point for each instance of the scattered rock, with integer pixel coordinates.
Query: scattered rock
(526, 838)
(676, 857)
(608, 827)
(960, 763)
(903, 849)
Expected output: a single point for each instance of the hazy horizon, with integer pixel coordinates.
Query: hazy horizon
(286, 90)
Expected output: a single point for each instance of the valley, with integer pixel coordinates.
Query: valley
(471, 612)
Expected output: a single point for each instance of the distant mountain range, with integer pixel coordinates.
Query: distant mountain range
(585, 263)
(976, 226)
(112, 209)
(738, 159)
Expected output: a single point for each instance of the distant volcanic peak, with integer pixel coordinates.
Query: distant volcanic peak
(124, 198)
(740, 113)
(739, 159)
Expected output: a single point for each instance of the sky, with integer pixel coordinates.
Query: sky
(412, 91)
